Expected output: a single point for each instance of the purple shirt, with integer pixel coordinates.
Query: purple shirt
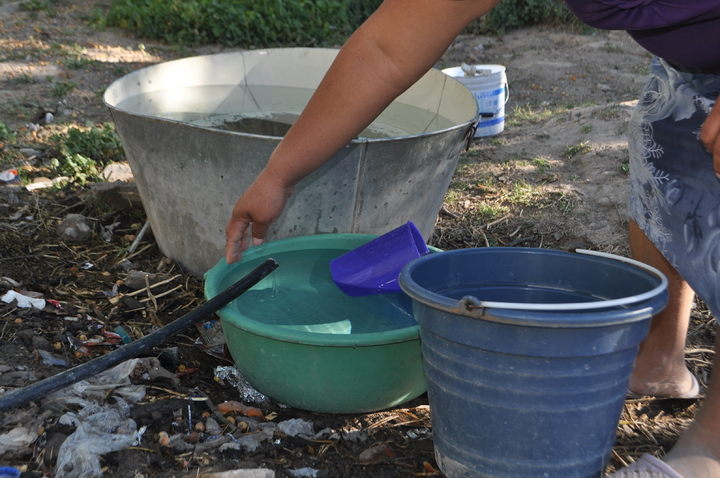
(684, 32)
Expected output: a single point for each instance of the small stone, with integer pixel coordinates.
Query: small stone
(118, 194)
(117, 172)
(29, 152)
(136, 279)
(75, 228)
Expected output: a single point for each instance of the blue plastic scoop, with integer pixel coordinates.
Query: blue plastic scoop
(374, 267)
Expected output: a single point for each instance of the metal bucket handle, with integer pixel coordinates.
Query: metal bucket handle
(470, 304)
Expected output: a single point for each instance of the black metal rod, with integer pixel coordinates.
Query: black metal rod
(68, 377)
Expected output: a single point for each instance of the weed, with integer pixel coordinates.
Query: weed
(242, 22)
(23, 79)
(523, 194)
(625, 166)
(100, 144)
(77, 62)
(496, 142)
(586, 129)
(610, 48)
(121, 70)
(580, 148)
(35, 5)
(76, 166)
(62, 88)
(527, 114)
(565, 203)
(5, 133)
(542, 137)
(466, 156)
(512, 14)
(20, 106)
(96, 19)
(609, 113)
(541, 164)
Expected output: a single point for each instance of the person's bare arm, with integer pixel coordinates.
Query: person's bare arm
(396, 46)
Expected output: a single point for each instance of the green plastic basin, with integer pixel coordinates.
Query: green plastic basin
(297, 338)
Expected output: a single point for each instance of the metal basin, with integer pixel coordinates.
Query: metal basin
(198, 131)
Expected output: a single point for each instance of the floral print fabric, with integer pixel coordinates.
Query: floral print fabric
(675, 195)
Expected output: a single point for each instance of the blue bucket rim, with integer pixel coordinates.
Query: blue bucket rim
(518, 312)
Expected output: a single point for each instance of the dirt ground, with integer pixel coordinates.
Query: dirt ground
(558, 172)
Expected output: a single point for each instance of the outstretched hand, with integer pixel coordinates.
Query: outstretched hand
(710, 136)
(259, 206)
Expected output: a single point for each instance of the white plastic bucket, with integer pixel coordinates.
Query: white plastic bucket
(489, 86)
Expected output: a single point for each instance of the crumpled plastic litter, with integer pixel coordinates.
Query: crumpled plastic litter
(10, 176)
(235, 378)
(103, 432)
(91, 391)
(23, 435)
(297, 427)
(100, 428)
(307, 473)
(52, 359)
(244, 473)
(23, 301)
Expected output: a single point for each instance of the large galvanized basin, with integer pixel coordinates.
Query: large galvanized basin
(173, 120)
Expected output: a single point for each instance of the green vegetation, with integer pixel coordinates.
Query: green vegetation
(244, 23)
(62, 88)
(541, 164)
(580, 148)
(80, 152)
(5, 133)
(512, 14)
(248, 23)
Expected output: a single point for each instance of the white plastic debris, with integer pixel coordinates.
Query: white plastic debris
(304, 473)
(245, 473)
(9, 176)
(23, 301)
(297, 427)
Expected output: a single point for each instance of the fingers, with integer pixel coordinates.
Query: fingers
(236, 240)
(710, 136)
(257, 209)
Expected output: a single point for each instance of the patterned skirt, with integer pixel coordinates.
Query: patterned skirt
(675, 195)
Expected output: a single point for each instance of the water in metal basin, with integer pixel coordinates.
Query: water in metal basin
(268, 110)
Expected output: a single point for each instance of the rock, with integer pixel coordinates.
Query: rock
(29, 152)
(136, 279)
(75, 228)
(117, 172)
(41, 343)
(118, 194)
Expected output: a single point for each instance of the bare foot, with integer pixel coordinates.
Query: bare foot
(682, 384)
(696, 454)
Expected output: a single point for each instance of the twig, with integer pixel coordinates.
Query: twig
(619, 458)
(138, 252)
(149, 292)
(139, 237)
(163, 282)
(160, 295)
(496, 221)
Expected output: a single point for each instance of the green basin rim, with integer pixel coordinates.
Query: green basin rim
(344, 241)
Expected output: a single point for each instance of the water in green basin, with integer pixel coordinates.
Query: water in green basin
(267, 110)
(301, 295)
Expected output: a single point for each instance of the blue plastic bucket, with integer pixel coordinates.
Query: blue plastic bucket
(528, 354)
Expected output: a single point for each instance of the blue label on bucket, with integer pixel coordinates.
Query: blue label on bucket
(491, 105)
